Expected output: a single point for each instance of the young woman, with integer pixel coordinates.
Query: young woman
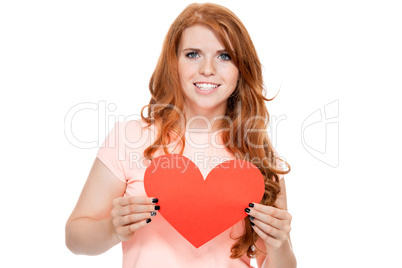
(208, 77)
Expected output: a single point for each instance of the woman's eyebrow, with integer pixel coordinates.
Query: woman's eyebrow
(192, 49)
(198, 50)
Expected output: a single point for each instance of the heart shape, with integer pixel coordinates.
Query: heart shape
(202, 209)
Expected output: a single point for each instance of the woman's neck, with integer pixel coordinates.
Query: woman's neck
(202, 120)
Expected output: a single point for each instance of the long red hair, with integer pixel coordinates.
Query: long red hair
(245, 107)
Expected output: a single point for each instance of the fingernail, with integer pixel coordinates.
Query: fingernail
(251, 218)
(153, 213)
(252, 223)
(155, 200)
(247, 210)
(251, 205)
(148, 221)
(157, 207)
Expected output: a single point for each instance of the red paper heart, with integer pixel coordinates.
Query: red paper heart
(200, 210)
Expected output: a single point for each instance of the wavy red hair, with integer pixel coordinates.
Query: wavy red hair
(246, 107)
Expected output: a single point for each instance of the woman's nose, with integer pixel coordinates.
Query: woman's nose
(207, 67)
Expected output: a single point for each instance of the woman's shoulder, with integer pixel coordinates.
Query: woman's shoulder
(134, 133)
(134, 126)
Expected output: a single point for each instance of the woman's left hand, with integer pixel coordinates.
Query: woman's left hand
(271, 224)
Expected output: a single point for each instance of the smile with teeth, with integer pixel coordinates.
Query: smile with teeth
(206, 86)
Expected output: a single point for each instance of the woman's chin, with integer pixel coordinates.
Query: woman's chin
(207, 108)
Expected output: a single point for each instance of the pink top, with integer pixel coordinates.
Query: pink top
(159, 244)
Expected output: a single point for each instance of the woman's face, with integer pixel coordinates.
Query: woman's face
(207, 74)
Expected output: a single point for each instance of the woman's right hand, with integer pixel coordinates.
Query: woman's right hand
(130, 213)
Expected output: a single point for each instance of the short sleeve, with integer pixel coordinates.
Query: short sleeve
(110, 152)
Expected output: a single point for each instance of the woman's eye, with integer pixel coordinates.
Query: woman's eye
(224, 56)
(192, 55)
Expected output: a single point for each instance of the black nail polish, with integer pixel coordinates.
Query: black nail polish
(251, 205)
(157, 207)
(155, 200)
(153, 213)
(148, 221)
(252, 223)
(251, 218)
(247, 210)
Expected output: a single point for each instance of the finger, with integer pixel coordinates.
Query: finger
(133, 218)
(128, 200)
(135, 209)
(265, 237)
(274, 212)
(268, 229)
(129, 229)
(274, 222)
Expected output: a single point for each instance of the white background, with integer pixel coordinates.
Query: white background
(344, 200)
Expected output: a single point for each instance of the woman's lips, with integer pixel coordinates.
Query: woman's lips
(206, 88)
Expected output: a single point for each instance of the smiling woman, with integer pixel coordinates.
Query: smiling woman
(208, 70)
(207, 75)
